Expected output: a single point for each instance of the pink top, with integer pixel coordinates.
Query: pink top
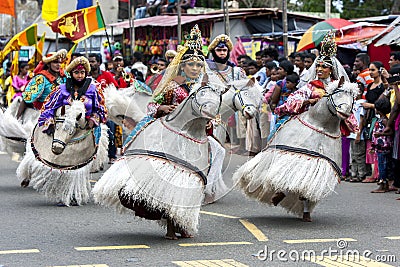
(18, 83)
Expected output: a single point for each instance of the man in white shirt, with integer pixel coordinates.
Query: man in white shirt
(138, 64)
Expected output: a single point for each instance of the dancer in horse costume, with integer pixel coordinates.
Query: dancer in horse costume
(50, 170)
(299, 166)
(48, 75)
(18, 121)
(169, 189)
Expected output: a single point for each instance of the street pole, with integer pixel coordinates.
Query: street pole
(131, 26)
(285, 28)
(179, 22)
(226, 14)
(327, 9)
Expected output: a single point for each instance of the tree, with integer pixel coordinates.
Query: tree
(311, 6)
(366, 8)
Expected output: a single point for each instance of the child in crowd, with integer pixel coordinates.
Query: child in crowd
(382, 143)
(357, 143)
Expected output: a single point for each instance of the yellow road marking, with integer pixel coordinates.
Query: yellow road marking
(254, 230)
(110, 247)
(300, 241)
(20, 251)
(90, 265)
(213, 244)
(218, 214)
(346, 261)
(393, 237)
(210, 263)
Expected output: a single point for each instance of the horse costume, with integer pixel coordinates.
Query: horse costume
(303, 156)
(164, 172)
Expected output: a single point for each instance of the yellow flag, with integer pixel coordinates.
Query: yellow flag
(49, 10)
(14, 64)
(69, 55)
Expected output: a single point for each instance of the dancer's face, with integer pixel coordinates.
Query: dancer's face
(79, 74)
(192, 69)
(323, 71)
(55, 66)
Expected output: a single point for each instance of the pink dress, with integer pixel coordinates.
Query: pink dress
(19, 85)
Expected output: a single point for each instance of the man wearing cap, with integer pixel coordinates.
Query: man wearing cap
(48, 75)
(123, 78)
(220, 49)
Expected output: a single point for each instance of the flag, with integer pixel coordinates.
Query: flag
(84, 3)
(80, 24)
(49, 10)
(69, 55)
(14, 65)
(38, 53)
(7, 7)
(40, 46)
(25, 38)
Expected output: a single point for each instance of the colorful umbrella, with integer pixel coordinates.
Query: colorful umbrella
(314, 35)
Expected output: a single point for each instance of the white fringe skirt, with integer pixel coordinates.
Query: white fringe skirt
(297, 175)
(164, 187)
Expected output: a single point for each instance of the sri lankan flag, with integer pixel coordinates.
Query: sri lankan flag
(80, 24)
(27, 37)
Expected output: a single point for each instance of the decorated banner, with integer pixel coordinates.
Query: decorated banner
(7, 7)
(80, 24)
(84, 3)
(27, 37)
(49, 10)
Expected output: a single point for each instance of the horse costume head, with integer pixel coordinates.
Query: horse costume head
(68, 120)
(246, 96)
(341, 97)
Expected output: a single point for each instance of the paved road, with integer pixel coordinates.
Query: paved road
(233, 231)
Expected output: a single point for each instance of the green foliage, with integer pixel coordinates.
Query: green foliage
(351, 8)
(366, 8)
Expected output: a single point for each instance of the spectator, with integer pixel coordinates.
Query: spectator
(309, 60)
(357, 143)
(153, 7)
(394, 59)
(382, 144)
(186, 4)
(361, 64)
(270, 54)
(299, 62)
(138, 64)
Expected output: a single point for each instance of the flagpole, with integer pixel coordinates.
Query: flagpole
(15, 18)
(105, 28)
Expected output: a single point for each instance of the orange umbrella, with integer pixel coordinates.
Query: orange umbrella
(314, 35)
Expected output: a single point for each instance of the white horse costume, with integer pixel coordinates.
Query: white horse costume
(303, 156)
(163, 174)
(14, 132)
(243, 96)
(60, 166)
(126, 102)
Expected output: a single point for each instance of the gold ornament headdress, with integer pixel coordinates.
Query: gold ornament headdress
(328, 48)
(190, 51)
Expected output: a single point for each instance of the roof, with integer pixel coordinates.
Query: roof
(172, 20)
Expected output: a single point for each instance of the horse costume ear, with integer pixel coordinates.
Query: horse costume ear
(79, 116)
(205, 80)
(341, 81)
(251, 81)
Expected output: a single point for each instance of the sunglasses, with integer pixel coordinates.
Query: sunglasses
(192, 64)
